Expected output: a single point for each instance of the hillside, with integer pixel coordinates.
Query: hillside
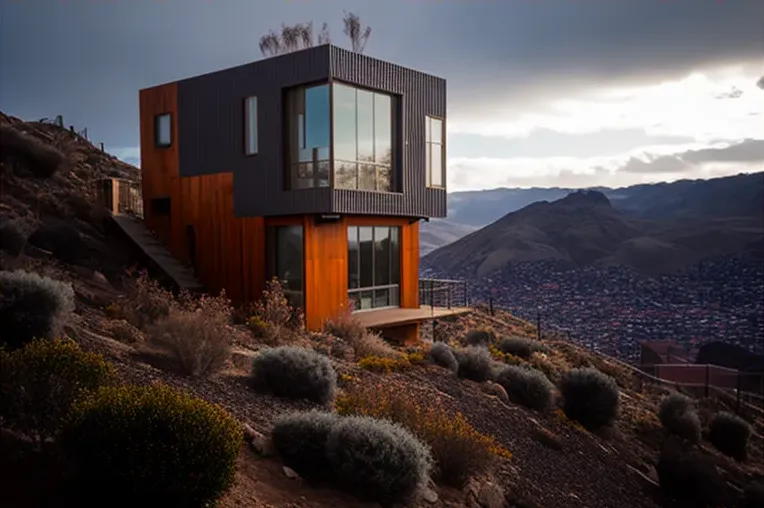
(584, 229)
(540, 458)
(724, 197)
(438, 232)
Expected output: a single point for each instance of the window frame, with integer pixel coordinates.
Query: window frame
(393, 166)
(273, 256)
(298, 124)
(428, 143)
(247, 132)
(396, 286)
(157, 119)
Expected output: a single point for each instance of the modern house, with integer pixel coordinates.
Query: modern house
(315, 167)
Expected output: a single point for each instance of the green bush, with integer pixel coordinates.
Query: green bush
(300, 438)
(378, 460)
(295, 373)
(526, 386)
(521, 347)
(442, 355)
(152, 445)
(688, 476)
(480, 337)
(475, 363)
(590, 397)
(39, 383)
(31, 307)
(679, 417)
(729, 434)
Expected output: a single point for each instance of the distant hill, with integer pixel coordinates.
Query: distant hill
(438, 232)
(733, 196)
(584, 229)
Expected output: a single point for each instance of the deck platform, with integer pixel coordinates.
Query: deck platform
(397, 316)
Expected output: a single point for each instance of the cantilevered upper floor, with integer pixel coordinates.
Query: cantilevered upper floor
(317, 131)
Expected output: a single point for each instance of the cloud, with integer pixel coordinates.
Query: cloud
(128, 154)
(657, 164)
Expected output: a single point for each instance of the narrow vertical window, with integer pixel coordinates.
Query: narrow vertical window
(435, 157)
(163, 130)
(250, 126)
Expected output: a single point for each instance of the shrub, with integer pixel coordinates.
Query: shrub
(274, 319)
(199, 335)
(363, 341)
(61, 239)
(482, 336)
(521, 347)
(474, 363)
(442, 355)
(526, 386)
(753, 495)
(39, 383)
(300, 439)
(729, 434)
(12, 239)
(678, 416)
(459, 450)
(295, 373)
(153, 445)
(146, 301)
(385, 364)
(32, 306)
(377, 459)
(590, 397)
(41, 159)
(686, 475)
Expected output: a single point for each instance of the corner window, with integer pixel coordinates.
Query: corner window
(435, 146)
(363, 139)
(308, 126)
(250, 126)
(374, 273)
(163, 130)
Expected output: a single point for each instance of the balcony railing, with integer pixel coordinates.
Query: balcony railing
(443, 293)
(119, 196)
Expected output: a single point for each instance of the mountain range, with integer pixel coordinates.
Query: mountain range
(654, 229)
(691, 201)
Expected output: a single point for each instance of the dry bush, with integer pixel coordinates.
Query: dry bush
(482, 336)
(442, 355)
(590, 397)
(41, 159)
(363, 341)
(124, 332)
(522, 347)
(527, 386)
(730, 434)
(678, 416)
(273, 319)
(385, 364)
(12, 238)
(688, 476)
(295, 373)
(459, 450)
(145, 303)
(197, 333)
(475, 363)
(300, 439)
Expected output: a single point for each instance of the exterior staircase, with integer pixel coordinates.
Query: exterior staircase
(122, 199)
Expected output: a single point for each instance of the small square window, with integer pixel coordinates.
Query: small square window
(163, 130)
(250, 126)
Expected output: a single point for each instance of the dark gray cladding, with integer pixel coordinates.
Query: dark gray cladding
(211, 132)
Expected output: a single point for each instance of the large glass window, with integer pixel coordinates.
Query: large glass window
(363, 139)
(286, 261)
(435, 146)
(163, 130)
(308, 125)
(374, 256)
(250, 125)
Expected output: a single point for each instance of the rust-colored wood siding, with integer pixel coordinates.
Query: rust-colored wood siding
(211, 127)
(326, 265)
(230, 251)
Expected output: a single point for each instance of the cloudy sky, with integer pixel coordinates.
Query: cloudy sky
(541, 92)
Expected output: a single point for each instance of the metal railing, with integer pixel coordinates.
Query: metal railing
(443, 293)
(119, 196)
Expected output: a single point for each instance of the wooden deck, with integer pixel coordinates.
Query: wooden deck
(137, 231)
(398, 316)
